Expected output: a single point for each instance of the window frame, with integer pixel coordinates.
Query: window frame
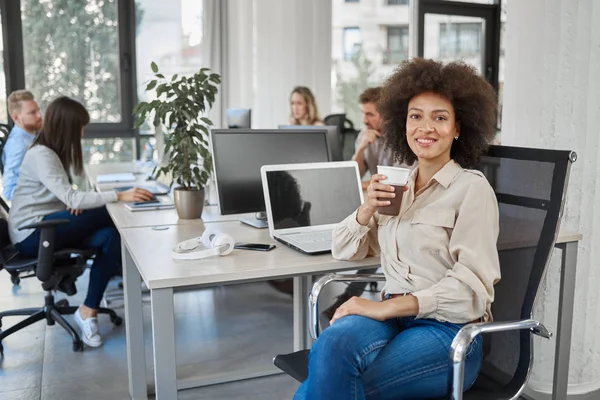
(387, 58)
(14, 67)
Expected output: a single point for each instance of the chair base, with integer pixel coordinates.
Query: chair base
(53, 313)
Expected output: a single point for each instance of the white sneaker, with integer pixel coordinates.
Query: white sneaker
(89, 330)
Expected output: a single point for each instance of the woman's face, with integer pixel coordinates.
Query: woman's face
(298, 106)
(431, 127)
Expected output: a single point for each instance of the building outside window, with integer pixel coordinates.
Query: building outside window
(460, 40)
(397, 2)
(397, 44)
(351, 42)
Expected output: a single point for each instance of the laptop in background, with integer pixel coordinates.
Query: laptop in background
(157, 203)
(305, 202)
(160, 186)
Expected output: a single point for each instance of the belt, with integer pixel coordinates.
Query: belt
(389, 296)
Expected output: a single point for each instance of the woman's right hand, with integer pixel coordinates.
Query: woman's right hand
(377, 195)
(135, 194)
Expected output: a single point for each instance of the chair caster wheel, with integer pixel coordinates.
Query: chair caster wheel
(373, 286)
(116, 320)
(62, 303)
(1, 350)
(15, 280)
(78, 346)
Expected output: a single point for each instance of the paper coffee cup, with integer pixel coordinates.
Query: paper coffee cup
(397, 177)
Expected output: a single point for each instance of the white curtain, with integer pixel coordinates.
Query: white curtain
(214, 52)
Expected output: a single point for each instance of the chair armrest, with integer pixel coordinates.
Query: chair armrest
(51, 223)
(468, 333)
(313, 299)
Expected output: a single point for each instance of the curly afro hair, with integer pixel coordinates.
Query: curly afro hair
(472, 97)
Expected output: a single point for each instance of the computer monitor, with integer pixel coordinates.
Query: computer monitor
(238, 155)
(334, 139)
(239, 118)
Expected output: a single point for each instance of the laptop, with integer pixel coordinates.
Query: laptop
(157, 203)
(160, 186)
(334, 138)
(305, 202)
(154, 187)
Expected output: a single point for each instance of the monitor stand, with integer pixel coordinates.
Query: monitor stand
(259, 221)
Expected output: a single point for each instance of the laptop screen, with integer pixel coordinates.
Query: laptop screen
(312, 197)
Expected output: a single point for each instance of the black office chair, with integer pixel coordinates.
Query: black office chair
(4, 132)
(57, 270)
(530, 185)
(347, 132)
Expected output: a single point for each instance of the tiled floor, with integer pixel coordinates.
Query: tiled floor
(223, 328)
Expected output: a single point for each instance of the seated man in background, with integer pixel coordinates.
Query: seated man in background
(370, 152)
(25, 113)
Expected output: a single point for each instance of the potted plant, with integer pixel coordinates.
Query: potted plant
(178, 108)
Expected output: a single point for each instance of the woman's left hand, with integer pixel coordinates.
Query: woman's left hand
(74, 212)
(376, 310)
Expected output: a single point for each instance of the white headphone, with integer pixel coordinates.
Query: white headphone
(215, 243)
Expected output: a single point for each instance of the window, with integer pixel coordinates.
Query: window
(176, 50)
(107, 150)
(397, 44)
(3, 95)
(397, 2)
(351, 42)
(460, 40)
(73, 49)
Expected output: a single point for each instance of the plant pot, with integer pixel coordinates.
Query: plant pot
(189, 203)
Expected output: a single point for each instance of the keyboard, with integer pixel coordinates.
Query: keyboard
(312, 237)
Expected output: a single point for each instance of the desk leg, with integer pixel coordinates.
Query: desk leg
(301, 292)
(163, 330)
(565, 320)
(134, 327)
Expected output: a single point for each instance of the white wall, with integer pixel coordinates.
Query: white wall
(552, 100)
(293, 47)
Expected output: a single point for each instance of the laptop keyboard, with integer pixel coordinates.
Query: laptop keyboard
(312, 237)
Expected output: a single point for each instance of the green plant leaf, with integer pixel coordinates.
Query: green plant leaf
(154, 67)
(174, 77)
(151, 85)
(206, 120)
(161, 76)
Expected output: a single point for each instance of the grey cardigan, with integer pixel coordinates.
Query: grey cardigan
(43, 188)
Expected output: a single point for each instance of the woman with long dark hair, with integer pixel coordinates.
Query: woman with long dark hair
(44, 192)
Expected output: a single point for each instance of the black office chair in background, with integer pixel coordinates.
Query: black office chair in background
(57, 270)
(347, 132)
(4, 132)
(530, 185)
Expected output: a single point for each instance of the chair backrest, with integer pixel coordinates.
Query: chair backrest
(530, 185)
(4, 132)
(347, 132)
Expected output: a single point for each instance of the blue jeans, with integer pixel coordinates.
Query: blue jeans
(93, 229)
(401, 358)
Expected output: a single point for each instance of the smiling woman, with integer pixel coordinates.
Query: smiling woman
(438, 253)
(469, 104)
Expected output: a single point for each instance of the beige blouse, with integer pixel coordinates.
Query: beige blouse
(441, 247)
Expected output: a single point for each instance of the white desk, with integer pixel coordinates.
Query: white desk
(124, 219)
(147, 256)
